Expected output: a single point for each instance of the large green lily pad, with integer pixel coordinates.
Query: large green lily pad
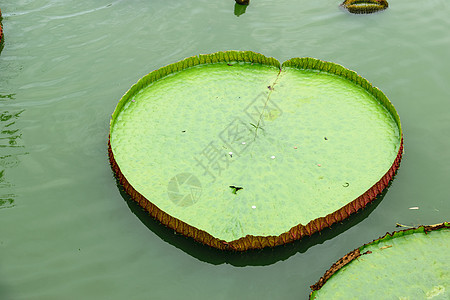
(237, 153)
(408, 264)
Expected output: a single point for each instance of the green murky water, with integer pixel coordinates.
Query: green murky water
(68, 232)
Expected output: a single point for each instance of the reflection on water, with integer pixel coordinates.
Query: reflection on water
(10, 150)
(9, 96)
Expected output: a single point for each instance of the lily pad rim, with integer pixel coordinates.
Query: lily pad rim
(297, 232)
(352, 255)
(372, 6)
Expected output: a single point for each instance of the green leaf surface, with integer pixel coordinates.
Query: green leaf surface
(411, 264)
(300, 143)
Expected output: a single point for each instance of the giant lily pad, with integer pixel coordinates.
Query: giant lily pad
(239, 153)
(408, 264)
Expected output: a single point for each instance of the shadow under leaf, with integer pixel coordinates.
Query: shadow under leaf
(11, 149)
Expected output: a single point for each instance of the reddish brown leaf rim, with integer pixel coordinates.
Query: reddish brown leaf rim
(256, 242)
(352, 255)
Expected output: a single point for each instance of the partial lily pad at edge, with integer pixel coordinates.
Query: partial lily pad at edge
(407, 264)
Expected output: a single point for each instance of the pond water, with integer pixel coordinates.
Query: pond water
(68, 232)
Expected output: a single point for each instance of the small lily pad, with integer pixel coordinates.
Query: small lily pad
(407, 264)
(364, 6)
